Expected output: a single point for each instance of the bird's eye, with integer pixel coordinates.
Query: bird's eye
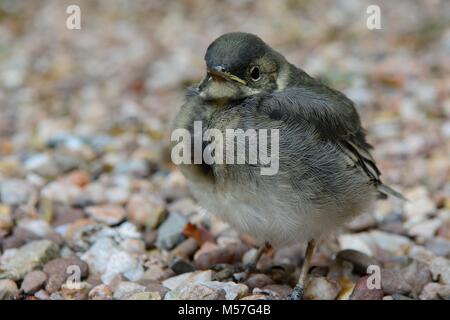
(255, 74)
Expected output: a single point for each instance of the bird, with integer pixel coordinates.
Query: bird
(326, 174)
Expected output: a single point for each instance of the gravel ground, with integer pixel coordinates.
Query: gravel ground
(88, 191)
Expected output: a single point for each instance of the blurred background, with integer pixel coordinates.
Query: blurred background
(85, 118)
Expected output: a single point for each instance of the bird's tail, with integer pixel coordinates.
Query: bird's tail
(386, 191)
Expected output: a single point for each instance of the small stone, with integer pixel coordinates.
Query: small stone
(196, 291)
(259, 280)
(6, 221)
(398, 296)
(14, 192)
(170, 233)
(359, 260)
(417, 275)
(98, 255)
(369, 242)
(76, 291)
(61, 191)
(211, 254)
(180, 266)
(155, 273)
(148, 211)
(425, 229)
(418, 206)
(54, 283)
(145, 296)
(154, 286)
(187, 278)
(439, 246)
(109, 214)
(42, 295)
(431, 291)
(362, 292)
(63, 214)
(124, 263)
(320, 288)
(392, 281)
(67, 266)
(185, 249)
(33, 281)
(8, 289)
(79, 178)
(77, 233)
(125, 289)
(101, 292)
(444, 292)
(440, 270)
(232, 290)
(27, 258)
(282, 290)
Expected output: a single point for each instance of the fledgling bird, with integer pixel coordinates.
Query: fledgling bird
(326, 173)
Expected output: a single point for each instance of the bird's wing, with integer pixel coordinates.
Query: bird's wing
(335, 119)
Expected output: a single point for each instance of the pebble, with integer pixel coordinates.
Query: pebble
(438, 246)
(14, 192)
(417, 275)
(320, 288)
(418, 207)
(440, 270)
(99, 253)
(124, 263)
(62, 191)
(108, 214)
(100, 292)
(259, 280)
(77, 291)
(6, 221)
(27, 258)
(186, 278)
(33, 281)
(185, 249)
(210, 254)
(147, 211)
(125, 289)
(65, 267)
(433, 291)
(145, 296)
(282, 290)
(232, 290)
(425, 229)
(8, 289)
(392, 281)
(196, 291)
(362, 292)
(369, 242)
(54, 283)
(42, 295)
(180, 266)
(170, 233)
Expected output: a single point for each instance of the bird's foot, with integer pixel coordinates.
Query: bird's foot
(297, 293)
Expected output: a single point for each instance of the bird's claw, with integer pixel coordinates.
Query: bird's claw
(297, 293)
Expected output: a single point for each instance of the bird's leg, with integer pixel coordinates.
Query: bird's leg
(251, 266)
(299, 289)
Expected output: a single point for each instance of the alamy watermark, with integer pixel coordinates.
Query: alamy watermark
(252, 147)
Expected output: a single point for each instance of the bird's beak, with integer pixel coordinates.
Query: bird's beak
(219, 72)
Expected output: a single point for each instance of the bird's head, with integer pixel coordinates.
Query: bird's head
(240, 65)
